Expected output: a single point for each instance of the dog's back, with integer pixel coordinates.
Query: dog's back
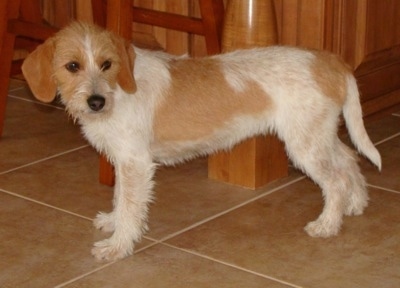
(211, 103)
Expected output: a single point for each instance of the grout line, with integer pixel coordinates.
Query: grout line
(383, 188)
(102, 267)
(44, 204)
(36, 102)
(231, 265)
(15, 89)
(183, 250)
(85, 274)
(44, 159)
(230, 209)
(145, 247)
(387, 139)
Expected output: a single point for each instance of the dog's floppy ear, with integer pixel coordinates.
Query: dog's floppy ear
(125, 74)
(38, 71)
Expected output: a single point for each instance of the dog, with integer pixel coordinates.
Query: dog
(145, 108)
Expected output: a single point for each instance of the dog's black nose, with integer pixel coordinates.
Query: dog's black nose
(96, 102)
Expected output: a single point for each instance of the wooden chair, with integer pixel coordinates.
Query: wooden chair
(120, 15)
(21, 24)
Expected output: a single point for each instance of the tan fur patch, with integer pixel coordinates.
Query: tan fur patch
(200, 101)
(330, 73)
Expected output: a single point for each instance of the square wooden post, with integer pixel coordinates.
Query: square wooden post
(251, 164)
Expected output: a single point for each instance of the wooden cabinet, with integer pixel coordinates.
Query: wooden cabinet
(366, 33)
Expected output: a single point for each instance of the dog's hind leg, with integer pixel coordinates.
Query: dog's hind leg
(133, 193)
(357, 201)
(344, 190)
(326, 165)
(335, 184)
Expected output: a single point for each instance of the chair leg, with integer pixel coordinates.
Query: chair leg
(98, 9)
(6, 55)
(119, 18)
(212, 23)
(8, 10)
(5, 64)
(106, 172)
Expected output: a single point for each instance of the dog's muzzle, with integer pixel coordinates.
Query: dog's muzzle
(96, 102)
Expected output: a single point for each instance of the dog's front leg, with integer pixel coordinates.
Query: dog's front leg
(133, 192)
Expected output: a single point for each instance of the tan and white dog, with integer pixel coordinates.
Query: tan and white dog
(142, 107)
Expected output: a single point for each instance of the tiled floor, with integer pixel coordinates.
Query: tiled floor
(202, 233)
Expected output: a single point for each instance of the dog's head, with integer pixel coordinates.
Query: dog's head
(85, 65)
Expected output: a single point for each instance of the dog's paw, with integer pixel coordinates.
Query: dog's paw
(111, 250)
(104, 222)
(320, 228)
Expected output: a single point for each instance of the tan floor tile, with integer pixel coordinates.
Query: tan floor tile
(15, 84)
(161, 266)
(22, 91)
(377, 130)
(381, 129)
(390, 175)
(267, 237)
(41, 247)
(184, 196)
(68, 182)
(33, 132)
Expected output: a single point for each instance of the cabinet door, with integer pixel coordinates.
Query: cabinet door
(370, 42)
(366, 33)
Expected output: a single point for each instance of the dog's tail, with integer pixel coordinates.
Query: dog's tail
(352, 114)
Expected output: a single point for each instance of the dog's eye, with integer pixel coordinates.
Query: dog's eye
(106, 65)
(72, 67)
